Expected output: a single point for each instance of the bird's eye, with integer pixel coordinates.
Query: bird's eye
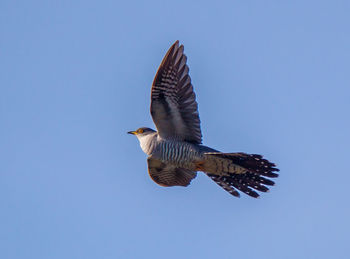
(140, 131)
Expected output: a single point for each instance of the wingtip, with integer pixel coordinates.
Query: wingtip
(175, 44)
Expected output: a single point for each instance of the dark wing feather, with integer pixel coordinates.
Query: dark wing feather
(173, 103)
(168, 175)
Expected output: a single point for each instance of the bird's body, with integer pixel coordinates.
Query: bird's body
(175, 152)
(178, 153)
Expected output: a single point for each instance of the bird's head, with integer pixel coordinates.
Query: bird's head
(142, 132)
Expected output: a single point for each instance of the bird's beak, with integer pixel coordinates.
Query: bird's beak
(132, 132)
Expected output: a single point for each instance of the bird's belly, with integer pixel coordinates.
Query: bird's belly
(180, 154)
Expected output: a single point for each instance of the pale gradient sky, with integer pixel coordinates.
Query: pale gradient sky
(271, 77)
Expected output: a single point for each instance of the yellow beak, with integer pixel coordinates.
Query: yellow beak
(132, 132)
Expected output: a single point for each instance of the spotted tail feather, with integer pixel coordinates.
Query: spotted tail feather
(247, 173)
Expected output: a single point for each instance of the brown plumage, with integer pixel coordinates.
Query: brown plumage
(168, 175)
(244, 172)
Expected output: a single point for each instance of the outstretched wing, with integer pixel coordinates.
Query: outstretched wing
(173, 103)
(167, 175)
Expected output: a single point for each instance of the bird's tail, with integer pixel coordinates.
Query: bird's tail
(241, 171)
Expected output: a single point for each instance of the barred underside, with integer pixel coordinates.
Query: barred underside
(179, 153)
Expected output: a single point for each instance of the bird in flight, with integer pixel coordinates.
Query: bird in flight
(175, 151)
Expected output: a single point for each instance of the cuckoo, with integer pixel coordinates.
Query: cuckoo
(175, 151)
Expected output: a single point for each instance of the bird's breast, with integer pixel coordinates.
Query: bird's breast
(182, 154)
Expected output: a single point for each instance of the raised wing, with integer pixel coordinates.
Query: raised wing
(173, 103)
(167, 175)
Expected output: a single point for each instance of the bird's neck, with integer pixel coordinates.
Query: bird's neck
(148, 143)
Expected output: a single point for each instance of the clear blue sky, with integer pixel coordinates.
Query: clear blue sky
(271, 77)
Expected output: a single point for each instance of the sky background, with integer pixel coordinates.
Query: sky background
(271, 77)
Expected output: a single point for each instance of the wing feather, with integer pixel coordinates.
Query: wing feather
(169, 175)
(173, 102)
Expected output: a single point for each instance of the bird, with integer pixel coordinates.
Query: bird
(175, 151)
